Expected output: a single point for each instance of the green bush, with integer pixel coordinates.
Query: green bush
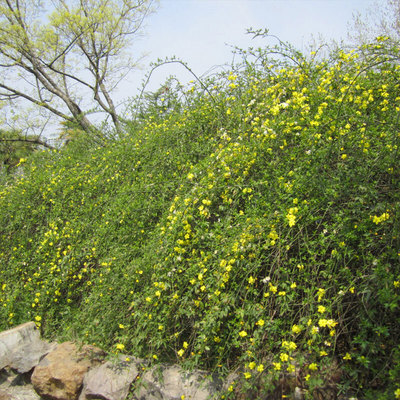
(254, 227)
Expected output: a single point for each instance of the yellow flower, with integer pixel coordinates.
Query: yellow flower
(314, 330)
(347, 356)
(260, 368)
(321, 293)
(38, 318)
(260, 322)
(321, 309)
(322, 323)
(277, 366)
(252, 365)
(397, 393)
(284, 357)
(247, 375)
(291, 346)
(313, 367)
(296, 329)
(181, 352)
(185, 345)
(291, 368)
(120, 346)
(273, 288)
(242, 333)
(291, 219)
(331, 323)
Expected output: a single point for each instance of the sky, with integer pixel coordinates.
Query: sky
(202, 32)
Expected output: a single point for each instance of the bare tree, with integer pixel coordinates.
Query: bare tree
(69, 58)
(382, 19)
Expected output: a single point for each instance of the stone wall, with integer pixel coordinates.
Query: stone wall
(33, 369)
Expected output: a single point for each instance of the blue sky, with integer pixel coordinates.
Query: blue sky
(200, 31)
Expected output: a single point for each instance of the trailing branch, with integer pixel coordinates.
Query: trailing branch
(34, 141)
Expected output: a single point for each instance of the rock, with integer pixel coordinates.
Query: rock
(14, 386)
(28, 356)
(5, 396)
(59, 375)
(21, 348)
(170, 383)
(19, 336)
(298, 394)
(20, 393)
(111, 380)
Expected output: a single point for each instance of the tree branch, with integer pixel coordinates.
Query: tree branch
(35, 141)
(15, 93)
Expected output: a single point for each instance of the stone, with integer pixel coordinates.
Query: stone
(298, 394)
(26, 357)
(171, 383)
(21, 348)
(14, 386)
(5, 396)
(111, 380)
(59, 375)
(20, 393)
(16, 337)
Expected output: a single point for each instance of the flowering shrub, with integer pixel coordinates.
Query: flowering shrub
(254, 227)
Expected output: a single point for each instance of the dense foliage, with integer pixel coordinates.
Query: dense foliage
(251, 227)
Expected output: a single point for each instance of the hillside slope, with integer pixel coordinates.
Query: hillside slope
(254, 227)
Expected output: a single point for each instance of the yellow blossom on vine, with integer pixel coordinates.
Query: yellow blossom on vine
(284, 357)
(321, 309)
(296, 329)
(252, 365)
(277, 366)
(181, 352)
(347, 356)
(313, 367)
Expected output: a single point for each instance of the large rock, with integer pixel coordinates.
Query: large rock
(171, 383)
(111, 380)
(59, 375)
(19, 393)
(18, 342)
(14, 386)
(26, 357)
